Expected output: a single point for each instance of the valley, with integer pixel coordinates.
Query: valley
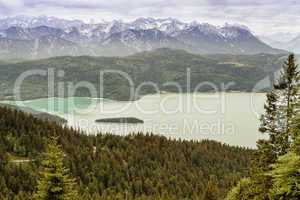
(100, 103)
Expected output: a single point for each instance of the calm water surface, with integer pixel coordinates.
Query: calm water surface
(232, 118)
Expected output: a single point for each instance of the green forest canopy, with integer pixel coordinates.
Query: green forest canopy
(114, 167)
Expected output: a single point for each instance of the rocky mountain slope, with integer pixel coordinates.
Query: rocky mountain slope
(41, 37)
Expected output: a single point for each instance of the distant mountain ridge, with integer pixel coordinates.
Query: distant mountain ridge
(160, 66)
(118, 38)
(292, 44)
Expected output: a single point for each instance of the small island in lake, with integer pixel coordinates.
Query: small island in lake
(123, 120)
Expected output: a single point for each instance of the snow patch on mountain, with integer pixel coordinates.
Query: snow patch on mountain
(104, 29)
(123, 38)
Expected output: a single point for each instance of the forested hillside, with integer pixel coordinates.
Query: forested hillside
(114, 167)
(40, 115)
(158, 67)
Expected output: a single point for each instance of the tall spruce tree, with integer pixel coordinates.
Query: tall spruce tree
(280, 109)
(55, 182)
(277, 121)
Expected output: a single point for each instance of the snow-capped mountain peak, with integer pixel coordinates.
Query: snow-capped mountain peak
(31, 22)
(121, 38)
(170, 26)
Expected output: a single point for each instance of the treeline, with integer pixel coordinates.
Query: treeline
(114, 167)
(275, 171)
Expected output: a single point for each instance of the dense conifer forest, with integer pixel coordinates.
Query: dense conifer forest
(114, 167)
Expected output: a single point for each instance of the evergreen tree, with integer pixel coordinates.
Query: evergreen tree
(286, 175)
(211, 190)
(280, 110)
(281, 107)
(242, 191)
(286, 171)
(55, 182)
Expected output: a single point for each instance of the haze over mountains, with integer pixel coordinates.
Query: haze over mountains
(42, 37)
(287, 41)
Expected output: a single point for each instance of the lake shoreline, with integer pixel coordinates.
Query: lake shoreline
(4, 99)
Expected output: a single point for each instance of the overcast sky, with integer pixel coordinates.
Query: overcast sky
(261, 16)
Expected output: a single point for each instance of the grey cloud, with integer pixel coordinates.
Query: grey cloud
(260, 15)
(94, 4)
(134, 4)
(10, 7)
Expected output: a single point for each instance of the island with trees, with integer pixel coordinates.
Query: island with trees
(121, 120)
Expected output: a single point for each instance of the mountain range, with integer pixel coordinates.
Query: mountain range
(42, 37)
